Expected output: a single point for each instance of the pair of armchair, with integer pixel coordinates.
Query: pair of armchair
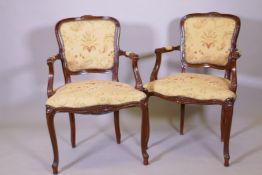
(90, 44)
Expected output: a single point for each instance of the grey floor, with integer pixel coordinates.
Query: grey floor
(25, 147)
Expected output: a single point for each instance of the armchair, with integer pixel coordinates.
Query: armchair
(90, 44)
(207, 40)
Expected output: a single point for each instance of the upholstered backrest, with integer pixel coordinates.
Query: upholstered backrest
(88, 43)
(208, 39)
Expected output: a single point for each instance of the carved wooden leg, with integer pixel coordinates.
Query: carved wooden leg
(73, 129)
(50, 123)
(222, 123)
(182, 115)
(117, 128)
(148, 125)
(148, 129)
(228, 111)
(145, 131)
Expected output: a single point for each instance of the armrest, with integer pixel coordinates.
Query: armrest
(50, 63)
(232, 73)
(134, 57)
(158, 53)
(235, 54)
(233, 79)
(166, 49)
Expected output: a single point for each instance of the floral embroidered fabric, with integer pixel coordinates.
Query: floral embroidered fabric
(88, 44)
(208, 39)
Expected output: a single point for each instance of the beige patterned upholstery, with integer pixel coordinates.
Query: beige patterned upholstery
(94, 92)
(197, 86)
(89, 44)
(208, 39)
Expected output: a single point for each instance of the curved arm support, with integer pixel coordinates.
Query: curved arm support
(158, 53)
(134, 57)
(233, 80)
(232, 73)
(50, 63)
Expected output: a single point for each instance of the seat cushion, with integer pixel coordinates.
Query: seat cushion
(192, 85)
(94, 92)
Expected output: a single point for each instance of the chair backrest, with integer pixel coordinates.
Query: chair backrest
(88, 44)
(208, 39)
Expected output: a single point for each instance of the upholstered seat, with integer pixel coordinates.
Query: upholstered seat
(94, 92)
(192, 85)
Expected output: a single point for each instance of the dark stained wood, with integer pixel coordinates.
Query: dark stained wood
(50, 63)
(99, 109)
(230, 74)
(228, 107)
(182, 116)
(72, 129)
(222, 123)
(145, 130)
(50, 114)
(117, 127)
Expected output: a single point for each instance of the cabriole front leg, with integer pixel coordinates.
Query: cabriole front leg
(50, 114)
(228, 113)
(145, 131)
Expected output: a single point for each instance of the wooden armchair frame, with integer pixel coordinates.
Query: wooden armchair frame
(230, 74)
(99, 109)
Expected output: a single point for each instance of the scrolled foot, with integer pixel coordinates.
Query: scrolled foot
(145, 157)
(118, 141)
(55, 167)
(73, 145)
(226, 163)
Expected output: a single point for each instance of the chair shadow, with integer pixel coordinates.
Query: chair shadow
(131, 153)
(80, 142)
(128, 137)
(84, 155)
(247, 128)
(213, 152)
(93, 149)
(249, 153)
(100, 130)
(160, 141)
(170, 149)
